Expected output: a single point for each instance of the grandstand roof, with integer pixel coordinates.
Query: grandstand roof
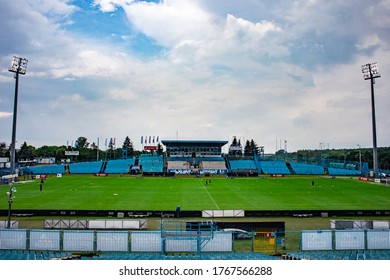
(219, 143)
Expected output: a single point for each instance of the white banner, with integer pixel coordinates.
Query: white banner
(72, 153)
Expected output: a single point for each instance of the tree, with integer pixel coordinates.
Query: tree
(251, 148)
(128, 147)
(254, 147)
(46, 151)
(4, 152)
(234, 142)
(247, 149)
(81, 143)
(159, 150)
(26, 152)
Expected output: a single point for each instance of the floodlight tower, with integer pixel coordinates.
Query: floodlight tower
(18, 66)
(370, 72)
(360, 160)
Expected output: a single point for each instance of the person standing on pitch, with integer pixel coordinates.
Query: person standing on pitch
(41, 185)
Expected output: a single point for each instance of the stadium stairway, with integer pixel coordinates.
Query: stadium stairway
(290, 168)
(103, 168)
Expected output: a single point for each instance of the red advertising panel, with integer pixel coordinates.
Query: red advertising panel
(150, 148)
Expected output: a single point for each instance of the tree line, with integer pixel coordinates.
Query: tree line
(342, 155)
(87, 151)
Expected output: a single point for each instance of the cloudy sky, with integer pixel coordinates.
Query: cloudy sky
(196, 69)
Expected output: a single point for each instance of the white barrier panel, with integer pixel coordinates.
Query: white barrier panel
(13, 239)
(114, 224)
(362, 224)
(349, 240)
(45, 240)
(146, 241)
(66, 224)
(75, 240)
(316, 240)
(14, 224)
(228, 213)
(378, 239)
(97, 224)
(221, 242)
(380, 225)
(223, 213)
(129, 224)
(112, 241)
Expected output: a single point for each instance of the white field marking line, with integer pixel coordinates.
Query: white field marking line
(200, 180)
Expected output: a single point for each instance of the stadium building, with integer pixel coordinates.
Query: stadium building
(195, 156)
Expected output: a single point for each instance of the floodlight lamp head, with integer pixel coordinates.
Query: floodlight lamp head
(374, 70)
(19, 65)
(370, 71)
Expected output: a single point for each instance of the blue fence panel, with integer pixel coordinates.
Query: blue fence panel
(316, 240)
(75, 240)
(112, 241)
(45, 240)
(349, 239)
(13, 239)
(181, 245)
(146, 241)
(378, 239)
(221, 242)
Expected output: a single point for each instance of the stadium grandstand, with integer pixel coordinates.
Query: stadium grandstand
(202, 157)
(195, 157)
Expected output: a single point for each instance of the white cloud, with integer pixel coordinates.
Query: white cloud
(110, 5)
(170, 22)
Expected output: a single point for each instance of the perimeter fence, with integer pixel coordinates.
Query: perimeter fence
(272, 243)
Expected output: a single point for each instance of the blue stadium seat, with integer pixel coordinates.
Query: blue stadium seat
(119, 166)
(274, 167)
(85, 167)
(307, 169)
(47, 169)
(241, 164)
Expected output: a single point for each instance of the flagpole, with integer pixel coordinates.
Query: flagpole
(97, 150)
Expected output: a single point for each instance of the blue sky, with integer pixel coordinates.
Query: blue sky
(196, 69)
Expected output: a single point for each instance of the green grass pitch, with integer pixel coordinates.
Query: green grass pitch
(87, 192)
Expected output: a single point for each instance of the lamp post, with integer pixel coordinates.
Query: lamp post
(370, 72)
(360, 160)
(18, 67)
